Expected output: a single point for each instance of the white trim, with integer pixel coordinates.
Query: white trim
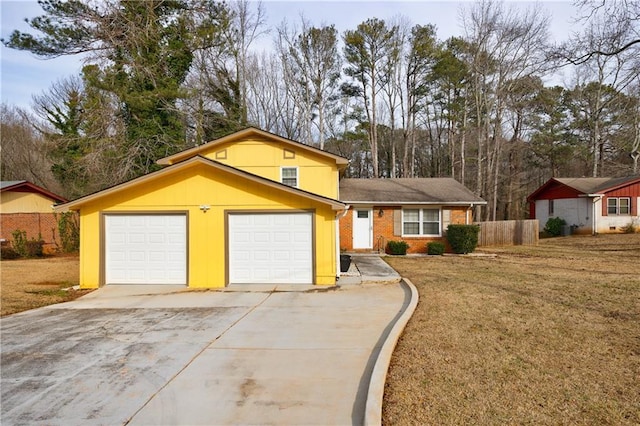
(617, 206)
(297, 185)
(420, 221)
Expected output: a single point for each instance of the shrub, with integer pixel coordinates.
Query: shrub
(19, 242)
(24, 247)
(8, 253)
(34, 247)
(630, 228)
(69, 231)
(463, 238)
(554, 226)
(397, 247)
(435, 248)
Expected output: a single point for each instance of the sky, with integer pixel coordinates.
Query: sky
(24, 75)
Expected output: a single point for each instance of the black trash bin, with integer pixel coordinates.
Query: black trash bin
(345, 262)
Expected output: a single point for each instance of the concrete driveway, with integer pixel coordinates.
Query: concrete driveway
(164, 355)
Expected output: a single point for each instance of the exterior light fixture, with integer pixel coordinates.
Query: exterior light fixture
(205, 207)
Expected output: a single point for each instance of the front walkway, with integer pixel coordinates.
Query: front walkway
(368, 269)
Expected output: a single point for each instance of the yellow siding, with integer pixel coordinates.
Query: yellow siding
(186, 190)
(25, 202)
(316, 173)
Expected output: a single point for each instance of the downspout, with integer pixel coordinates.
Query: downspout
(594, 225)
(594, 199)
(339, 215)
(466, 216)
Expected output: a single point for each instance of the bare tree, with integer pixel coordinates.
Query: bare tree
(23, 150)
(365, 51)
(507, 44)
(312, 62)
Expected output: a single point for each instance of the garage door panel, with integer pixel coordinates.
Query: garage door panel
(270, 248)
(145, 249)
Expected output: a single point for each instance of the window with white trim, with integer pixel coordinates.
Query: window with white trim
(619, 206)
(289, 176)
(421, 222)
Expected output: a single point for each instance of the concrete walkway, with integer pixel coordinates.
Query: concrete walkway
(368, 269)
(153, 355)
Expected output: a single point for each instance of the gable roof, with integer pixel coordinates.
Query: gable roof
(25, 186)
(76, 204)
(407, 191)
(587, 186)
(341, 162)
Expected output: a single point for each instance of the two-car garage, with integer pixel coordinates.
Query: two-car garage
(264, 247)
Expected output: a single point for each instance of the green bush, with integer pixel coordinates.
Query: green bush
(397, 247)
(554, 226)
(19, 242)
(463, 238)
(435, 248)
(69, 231)
(24, 247)
(8, 253)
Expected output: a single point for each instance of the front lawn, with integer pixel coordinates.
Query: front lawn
(33, 283)
(542, 335)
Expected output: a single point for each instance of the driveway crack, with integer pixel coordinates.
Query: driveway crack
(193, 358)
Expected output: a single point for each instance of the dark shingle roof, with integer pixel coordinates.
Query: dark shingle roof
(594, 185)
(405, 190)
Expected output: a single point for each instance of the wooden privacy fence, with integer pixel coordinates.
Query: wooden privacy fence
(508, 233)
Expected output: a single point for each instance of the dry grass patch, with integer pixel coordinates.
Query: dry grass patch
(33, 283)
(543, 335)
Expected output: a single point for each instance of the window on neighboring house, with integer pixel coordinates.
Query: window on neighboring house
(289, 176)
(550, 207)
(421, 221)
(618, 206)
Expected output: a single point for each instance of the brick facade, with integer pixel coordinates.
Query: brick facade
(36, 225)
(383, 230)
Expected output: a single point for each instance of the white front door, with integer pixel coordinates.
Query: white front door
(362, 228)
(270, 248)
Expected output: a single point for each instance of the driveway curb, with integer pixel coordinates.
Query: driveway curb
(373, 407)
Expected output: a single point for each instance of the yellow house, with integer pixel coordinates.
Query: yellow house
(251, 207)
(20, 196)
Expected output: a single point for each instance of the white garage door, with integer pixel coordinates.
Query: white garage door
(146, 249)
(270, 248)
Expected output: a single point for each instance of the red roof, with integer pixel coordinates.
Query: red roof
(24, 186)
(575, 187)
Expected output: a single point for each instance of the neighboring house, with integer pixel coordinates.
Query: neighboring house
(20, 196)
(28, 207)
(251, 207)
(417, 211)
(588, 205)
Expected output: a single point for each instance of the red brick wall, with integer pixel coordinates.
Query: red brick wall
(383, 230)
(35, 224)
(346, 231)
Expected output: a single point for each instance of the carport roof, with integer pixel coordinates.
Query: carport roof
(78, 203)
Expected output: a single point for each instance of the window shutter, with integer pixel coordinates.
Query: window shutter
(397, 222)
(446, 219)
